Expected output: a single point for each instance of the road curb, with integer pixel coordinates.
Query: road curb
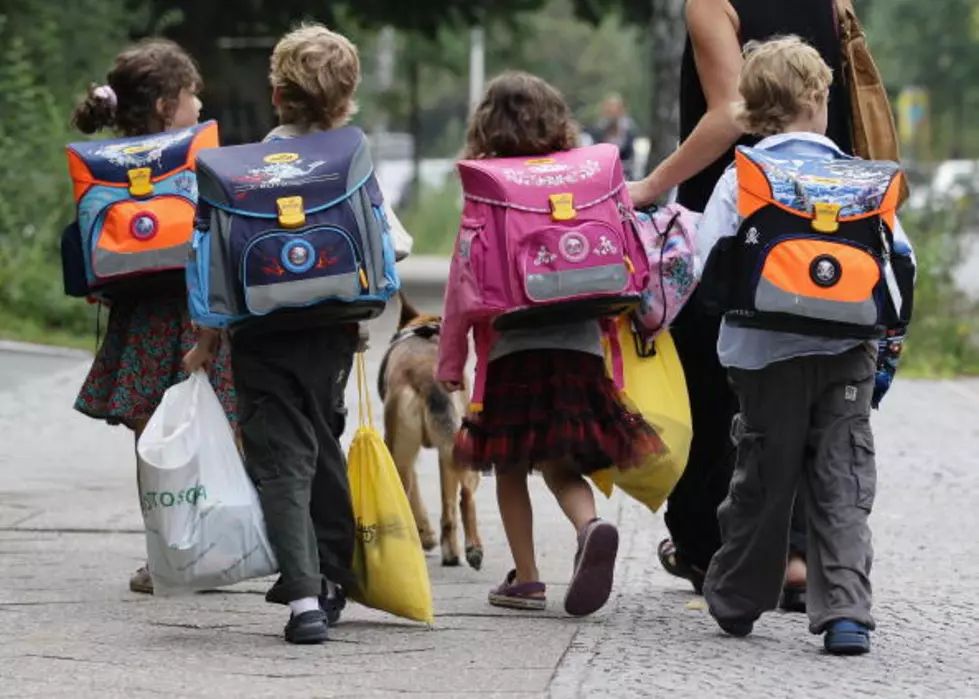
(43, 350)
(424, 275)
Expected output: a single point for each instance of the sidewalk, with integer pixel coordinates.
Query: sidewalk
(70, 535)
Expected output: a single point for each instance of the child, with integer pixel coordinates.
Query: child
(805, 399)
(152, 87)
(291, 373)
(549, 404)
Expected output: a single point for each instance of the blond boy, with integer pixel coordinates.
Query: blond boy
(291, 371)
(805, 400)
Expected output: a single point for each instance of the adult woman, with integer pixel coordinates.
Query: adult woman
(717, 29)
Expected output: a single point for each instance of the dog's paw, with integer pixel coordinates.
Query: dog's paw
(428, 541)
(474, 557)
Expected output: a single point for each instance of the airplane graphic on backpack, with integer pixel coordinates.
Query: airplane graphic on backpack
(290, 224)
(549, 239)
(136, 199)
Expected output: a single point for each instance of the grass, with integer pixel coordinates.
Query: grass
(433, 218)
(27, 330)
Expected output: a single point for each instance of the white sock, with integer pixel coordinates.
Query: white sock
(331, 590)
(306, 604)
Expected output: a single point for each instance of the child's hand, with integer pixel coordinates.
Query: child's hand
(451, 386)
(888, 358)
(203, 352)
(363, 337)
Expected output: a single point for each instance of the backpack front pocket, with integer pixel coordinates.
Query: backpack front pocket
(294, 269)
(564, 263)
(819, 279)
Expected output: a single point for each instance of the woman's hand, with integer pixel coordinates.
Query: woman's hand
(203, 352)
(643, 193)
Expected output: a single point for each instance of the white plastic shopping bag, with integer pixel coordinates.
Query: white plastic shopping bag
(204, 523)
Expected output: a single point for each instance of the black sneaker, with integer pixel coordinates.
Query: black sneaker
(308, 628)
(334, 606)
(739, 628)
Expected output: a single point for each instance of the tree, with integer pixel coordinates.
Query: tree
(665, 25)
(916, 45)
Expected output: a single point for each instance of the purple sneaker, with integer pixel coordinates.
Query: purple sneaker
(594, 569)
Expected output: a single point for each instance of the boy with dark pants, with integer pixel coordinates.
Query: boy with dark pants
(291, 371)
(793, 269)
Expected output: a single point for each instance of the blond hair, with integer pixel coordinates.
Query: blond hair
(782, 80)
(316, 72)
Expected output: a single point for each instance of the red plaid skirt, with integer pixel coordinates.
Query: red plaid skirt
(545, 406)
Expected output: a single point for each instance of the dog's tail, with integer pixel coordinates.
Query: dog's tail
(445, 415)
(408, 312)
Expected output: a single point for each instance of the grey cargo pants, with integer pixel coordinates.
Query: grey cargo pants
(807, 428)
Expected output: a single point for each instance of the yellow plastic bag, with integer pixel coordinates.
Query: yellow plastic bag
(657, 388)
(388, 560)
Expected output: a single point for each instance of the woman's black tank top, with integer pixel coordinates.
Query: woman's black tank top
(814, 21)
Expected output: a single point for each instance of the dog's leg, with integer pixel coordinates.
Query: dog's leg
(467, 504)
(450, 515)
(404, 442)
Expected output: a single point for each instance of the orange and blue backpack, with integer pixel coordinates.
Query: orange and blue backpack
(136, 199)
(815, 252)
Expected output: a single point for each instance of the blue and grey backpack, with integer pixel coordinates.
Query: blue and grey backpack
(290, 224)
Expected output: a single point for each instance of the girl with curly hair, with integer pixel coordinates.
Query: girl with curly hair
(152, 87)
(549, 405)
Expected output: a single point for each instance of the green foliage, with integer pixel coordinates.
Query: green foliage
(39, 81)
(586, 62)
(922, 44)
(944, 336)
(433, 218)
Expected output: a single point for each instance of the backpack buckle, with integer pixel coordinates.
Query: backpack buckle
(562, 207)
(291, 212)
(825, 217)
(140, 182)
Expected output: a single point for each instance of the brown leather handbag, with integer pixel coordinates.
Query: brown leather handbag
(871, 117)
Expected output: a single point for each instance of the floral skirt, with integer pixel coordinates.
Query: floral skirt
(553, 406)
(140, 358)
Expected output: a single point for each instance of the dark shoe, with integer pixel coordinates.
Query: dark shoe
(141, 581)
(846, 637)
(308, 628)
(674, 565)
(594, 569)
(736, 627)
(334, 606)
(793, 600)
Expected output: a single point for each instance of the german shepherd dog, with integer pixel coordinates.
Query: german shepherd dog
(418, 413)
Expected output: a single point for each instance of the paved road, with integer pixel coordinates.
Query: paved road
(69, 538)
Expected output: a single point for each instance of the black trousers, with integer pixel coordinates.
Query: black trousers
(691, 513)
(290, 387)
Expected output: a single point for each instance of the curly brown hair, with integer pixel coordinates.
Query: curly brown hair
(519, 115)
(149, 71)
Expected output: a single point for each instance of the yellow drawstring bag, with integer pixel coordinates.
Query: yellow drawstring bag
(655, 386)
(388, 560)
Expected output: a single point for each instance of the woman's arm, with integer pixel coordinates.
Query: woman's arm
(713, 28)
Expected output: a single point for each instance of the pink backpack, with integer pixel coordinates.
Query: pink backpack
(667, 235)
(549, 239)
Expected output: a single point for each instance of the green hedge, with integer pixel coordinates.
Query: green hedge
(49, 55)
